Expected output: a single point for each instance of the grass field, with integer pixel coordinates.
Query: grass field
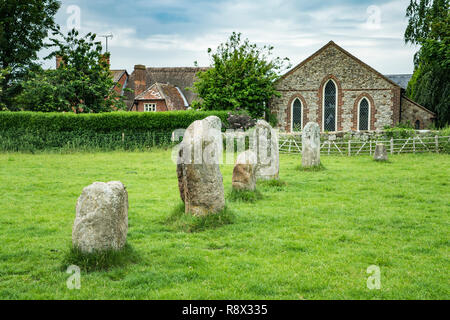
(313, 238)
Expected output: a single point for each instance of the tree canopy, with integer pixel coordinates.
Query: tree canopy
(241, 77)
(429, 27)
(82, 83)
(24, 24)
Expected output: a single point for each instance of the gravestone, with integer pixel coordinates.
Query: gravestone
(101, 221)
(380, 153)
(199, 179)
(265, 146)
(311, 145)
(244, 173)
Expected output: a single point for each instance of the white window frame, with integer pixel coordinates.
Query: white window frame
(292, 114)
(335, 103)
(149, 107)
(359, 114)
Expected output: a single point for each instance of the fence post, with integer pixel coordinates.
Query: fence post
(392, 145)
(123, 137)
(436, 141)
(370, 144)
(154, 138)
(349, 148)
(414, 144)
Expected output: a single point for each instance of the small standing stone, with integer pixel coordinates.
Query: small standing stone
(244, 173)
(311, 145)
(199, 178)
(380, 153)
(265, 146)
(101, 221)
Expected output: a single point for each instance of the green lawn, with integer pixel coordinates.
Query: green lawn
(311, 239)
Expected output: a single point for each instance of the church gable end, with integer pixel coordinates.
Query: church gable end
(352, 77)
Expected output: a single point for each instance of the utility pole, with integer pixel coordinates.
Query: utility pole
(106, 38)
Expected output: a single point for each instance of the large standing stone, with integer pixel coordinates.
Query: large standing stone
(265, 146)
(199, 178)
(380, 153)
(311, 145)
(101, 221)
(244, 173)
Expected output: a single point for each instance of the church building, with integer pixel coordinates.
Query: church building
(341, 93)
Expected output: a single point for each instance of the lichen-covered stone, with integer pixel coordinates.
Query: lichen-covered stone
(380, 153)
(101, 221)
(265, 146)
(244, 173)
(199, 178)
(311, 145)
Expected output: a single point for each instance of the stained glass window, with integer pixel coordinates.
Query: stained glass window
(330, 107)
(364, 114)
(297, 115)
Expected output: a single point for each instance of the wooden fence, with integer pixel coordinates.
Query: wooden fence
(437, 144)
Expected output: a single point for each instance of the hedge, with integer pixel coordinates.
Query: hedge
(103, 122)
(33, 131)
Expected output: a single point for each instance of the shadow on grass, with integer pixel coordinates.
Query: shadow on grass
(100, 260)
(180, 221)
(318, 168)
(244, 195)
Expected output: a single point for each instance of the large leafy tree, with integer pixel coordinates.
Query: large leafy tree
(429, 27)
(24, 24)
(241, 77)
(82, 83)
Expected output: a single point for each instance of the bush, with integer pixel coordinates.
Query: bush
(32, 131)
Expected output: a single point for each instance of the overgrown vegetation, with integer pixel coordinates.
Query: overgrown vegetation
(320, 167)
(100, 260)
(181, 221)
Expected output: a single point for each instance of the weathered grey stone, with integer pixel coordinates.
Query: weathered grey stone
(380, 153)
(101, 221)
(244, 173)
(311, 145)
(265, 146)
(199, 178)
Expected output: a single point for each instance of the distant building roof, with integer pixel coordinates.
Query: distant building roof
(117, 74)
(401, 79)
(173, 96)
(179, 77)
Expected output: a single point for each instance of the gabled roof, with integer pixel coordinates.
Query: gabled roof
(418, 105)
(117, 74)
(401, 79)
(332, 44)
(181, 77)
(173, 96)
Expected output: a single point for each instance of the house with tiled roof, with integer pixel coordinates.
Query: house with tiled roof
(161, 89)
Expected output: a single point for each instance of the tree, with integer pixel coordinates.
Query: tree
(82, 83)
(241, 77)
(24, 24)
(429, 27)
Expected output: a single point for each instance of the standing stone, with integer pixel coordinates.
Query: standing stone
(244, 173)
(265, 146)
(199, 178)
(311, 145)
(380, 153)
(101, 221)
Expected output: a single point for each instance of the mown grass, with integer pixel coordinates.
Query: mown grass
(311, 237)
(244, 195)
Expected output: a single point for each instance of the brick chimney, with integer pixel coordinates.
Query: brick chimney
(139, 79)
(58, 61)
(106, 57)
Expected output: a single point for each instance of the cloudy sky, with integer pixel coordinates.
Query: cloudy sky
(179, 32)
